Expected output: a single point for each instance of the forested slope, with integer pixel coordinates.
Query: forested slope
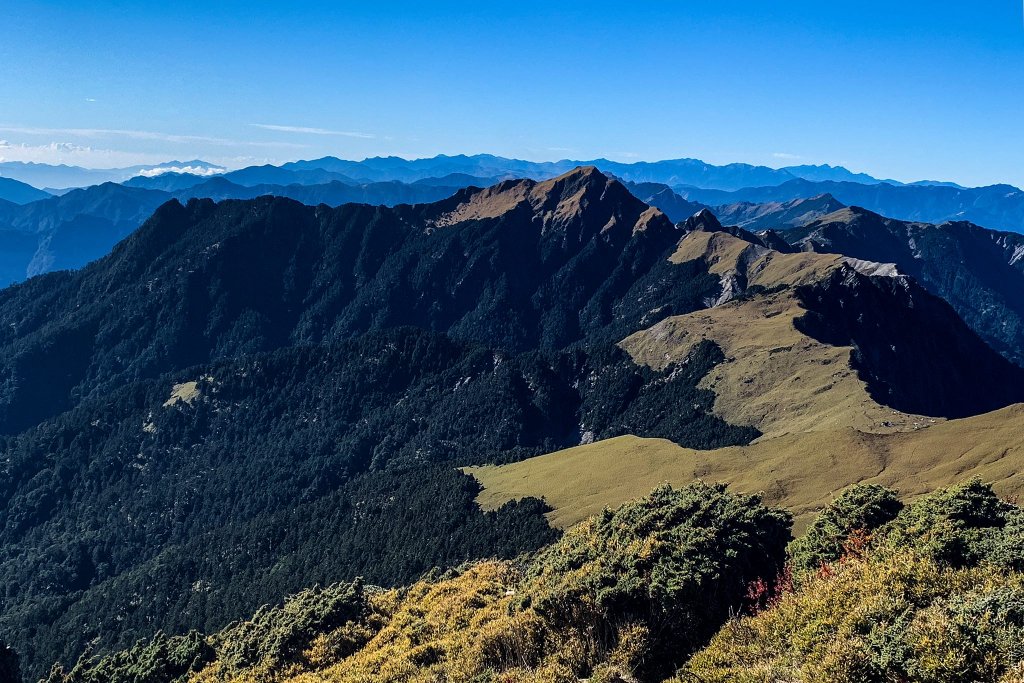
(247, 398)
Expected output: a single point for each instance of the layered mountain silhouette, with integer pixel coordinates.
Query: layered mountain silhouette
(62, 177)
(780, 215)
(754, 197)
(999, 207)
(19, 193)
(69, 230)
(691, 172)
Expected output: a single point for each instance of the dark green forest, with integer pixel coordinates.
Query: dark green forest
(297, 466)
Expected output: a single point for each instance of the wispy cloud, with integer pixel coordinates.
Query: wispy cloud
(313, 131)
(101, 156)
(114, 132)
(141, 135)
(786, 156)
(71, 153)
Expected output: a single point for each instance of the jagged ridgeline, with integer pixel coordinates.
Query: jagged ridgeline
(248, 398)
(689, 584)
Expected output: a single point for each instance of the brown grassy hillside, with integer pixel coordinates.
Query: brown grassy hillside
(822, 428)
(800, 471)
(775, 377)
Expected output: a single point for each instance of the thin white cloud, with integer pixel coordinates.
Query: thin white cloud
(191, 170)
(142, 135)
(90, 99)
(786, 156)
(100, 157)
(71, 153)
(313, 131)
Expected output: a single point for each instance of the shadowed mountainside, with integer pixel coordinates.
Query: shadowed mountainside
(979, 272)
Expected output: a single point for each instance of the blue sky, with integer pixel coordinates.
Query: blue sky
(920, 90)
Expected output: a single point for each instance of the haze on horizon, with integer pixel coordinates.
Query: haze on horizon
(919, 91)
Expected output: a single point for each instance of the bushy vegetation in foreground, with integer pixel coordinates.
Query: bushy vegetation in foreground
(930, 592)
(935, 595)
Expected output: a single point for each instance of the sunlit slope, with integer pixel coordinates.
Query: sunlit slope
(775, 377)
(824, 425)
(798, 471)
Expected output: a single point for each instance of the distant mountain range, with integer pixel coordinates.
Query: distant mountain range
(40, 233)
(70, 230)
(62, 177)
(999, 207)
(673, 172)
(777, 215)
(17, 192)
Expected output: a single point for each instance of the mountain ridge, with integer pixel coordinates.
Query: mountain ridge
(999, 207)
(260, 373)
(978, 271)
(681, 171)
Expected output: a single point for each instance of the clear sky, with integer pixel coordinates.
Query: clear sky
(906, 89)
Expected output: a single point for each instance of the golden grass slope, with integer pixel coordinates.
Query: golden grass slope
(774, 378)
(725, 254)
(801, 472)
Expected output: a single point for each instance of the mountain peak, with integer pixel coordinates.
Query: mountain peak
(702, 221)
(576, 180)
(849, 214)
(583, 198)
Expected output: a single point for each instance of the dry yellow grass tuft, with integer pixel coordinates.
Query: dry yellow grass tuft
(433, 630)
(801, 472)
(892, 612)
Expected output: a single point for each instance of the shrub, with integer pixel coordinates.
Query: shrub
(960, 525)
(674, 563)
(864, 507)
(900, 616)
(162, 659)
(1008, 550)
(936, 596)
(628, 594)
